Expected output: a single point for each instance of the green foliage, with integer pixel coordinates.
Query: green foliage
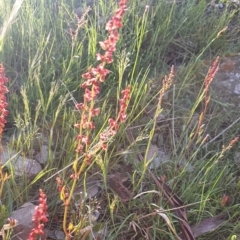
(4, 214)
(44, 69)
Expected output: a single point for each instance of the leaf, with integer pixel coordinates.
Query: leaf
(70, 226)
(62, 193)
(209, 224)
(175, 202)
(165, 217)
(189, 232)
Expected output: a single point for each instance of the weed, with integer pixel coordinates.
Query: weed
(45, 48)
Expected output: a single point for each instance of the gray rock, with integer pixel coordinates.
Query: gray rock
(19, 164)
(42, 156)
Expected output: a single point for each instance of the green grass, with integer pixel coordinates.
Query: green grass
(44, 71)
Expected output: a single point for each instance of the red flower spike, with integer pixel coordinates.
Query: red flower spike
(95, 112)
(100, 72)
(40, 216)
(91, 86)
(79, 106)
(59, 184)
(88, 125)
(104, 147)
(3, 103)
(113, 124)
(79, 148)
(87, 75)
(113, 38)
(104, 44)
(123, 3)
(74, 176)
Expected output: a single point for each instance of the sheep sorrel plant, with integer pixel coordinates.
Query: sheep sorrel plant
(93, 78)
(3, 114)
(3, 176)
(40, 217)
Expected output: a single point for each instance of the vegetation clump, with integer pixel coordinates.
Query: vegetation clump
(131, 138)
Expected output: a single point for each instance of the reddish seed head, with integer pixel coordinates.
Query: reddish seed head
(123, 3)
(113, 123)
(101, 72)
(3, 103)
(104, 146)
(95, 112)
(40, 215)
(87, 75)
(93, 77)
(79, 106)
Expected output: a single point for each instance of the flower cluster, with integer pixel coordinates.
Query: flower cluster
(63, 190)
(59, 184)
(95, 76)
(3, 114)
(114, 124)
(40, 217)
(3, 102)
(123, 104)
(211, 73)
(91, 85)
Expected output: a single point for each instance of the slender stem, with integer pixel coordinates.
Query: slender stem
(66, 208)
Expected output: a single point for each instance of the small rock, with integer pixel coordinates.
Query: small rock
(237, 89)
(42, 156)
(237, 75)
(24, 217)
(159, 159)
(56, 234)
(26, 166)
(237, 159)
(92, 189)
(220, 5)
(79, 11)
(20, 165)
(152, 152)
(24, 214)
(21, 232)
(158, 156)
(186, 165)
